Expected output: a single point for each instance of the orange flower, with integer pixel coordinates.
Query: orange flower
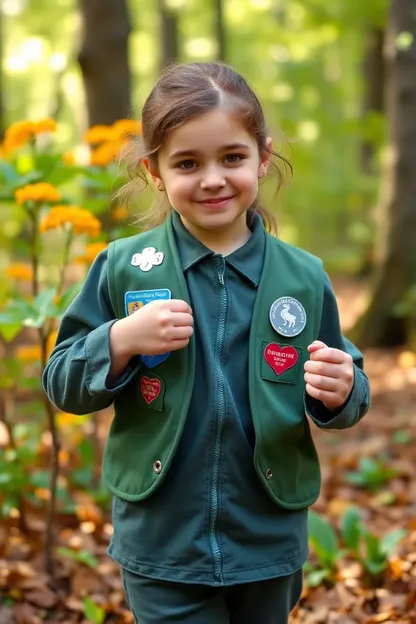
(91, 252)
(127, 127)
(68, 158)
(80, 220)
(120, 130)
(106, 153)
(99, 134)
(19, 271)
(39, 193)
(21, 132)
(45, 125)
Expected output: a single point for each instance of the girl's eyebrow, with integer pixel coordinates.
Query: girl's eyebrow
(196, 152)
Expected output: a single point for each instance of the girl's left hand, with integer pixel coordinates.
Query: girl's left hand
(329, 375)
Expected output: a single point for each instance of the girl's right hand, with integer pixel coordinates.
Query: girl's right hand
(158, 327)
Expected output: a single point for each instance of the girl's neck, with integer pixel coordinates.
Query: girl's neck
(222, 242)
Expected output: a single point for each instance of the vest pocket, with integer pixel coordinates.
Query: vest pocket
(281, 363)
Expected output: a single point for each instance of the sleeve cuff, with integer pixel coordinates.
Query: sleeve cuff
(346, 416)
(97, 347)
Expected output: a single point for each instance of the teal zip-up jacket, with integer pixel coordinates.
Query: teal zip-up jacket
(210, 521)
(284, 454)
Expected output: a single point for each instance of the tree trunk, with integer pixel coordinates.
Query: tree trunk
(373, 72)
(169, 33)
(220, 30)
(396, 262)
(103, 59)
(374, 79)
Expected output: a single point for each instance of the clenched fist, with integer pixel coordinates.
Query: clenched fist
(329, 375)
(158, 327)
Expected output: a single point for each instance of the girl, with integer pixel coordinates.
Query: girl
(217, 343)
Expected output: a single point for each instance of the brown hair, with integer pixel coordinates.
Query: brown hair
(183, 92)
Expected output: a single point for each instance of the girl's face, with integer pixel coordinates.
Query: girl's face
(209, 168)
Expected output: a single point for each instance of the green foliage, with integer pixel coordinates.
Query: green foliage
(81, 556)
(15, 465)
(93, 612)
(371, 551)
(371, 474)
(356, 541)
(402, 437)
(324, 541)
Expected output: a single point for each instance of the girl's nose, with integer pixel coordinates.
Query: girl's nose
(212, 179)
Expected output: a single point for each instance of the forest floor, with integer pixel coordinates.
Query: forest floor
(387, 435)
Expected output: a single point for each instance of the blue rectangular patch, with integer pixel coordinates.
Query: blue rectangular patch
(136, 299)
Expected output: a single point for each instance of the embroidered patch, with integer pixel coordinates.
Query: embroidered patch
(280, 359)
(280, 363)
(152, 389)
(136, 299)
(287, 317)
(147, 259)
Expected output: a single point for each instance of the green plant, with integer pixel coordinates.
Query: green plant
(372, 552)
(81, 556)
(371, 474)
(325, 543)
(93, 612)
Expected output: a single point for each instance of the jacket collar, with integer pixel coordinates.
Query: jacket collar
(246, 260)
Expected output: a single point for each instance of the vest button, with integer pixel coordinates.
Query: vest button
(157, 467)
(269, 473)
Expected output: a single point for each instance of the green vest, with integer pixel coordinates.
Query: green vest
(151, 410)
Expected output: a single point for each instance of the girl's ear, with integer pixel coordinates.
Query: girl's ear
(153, 174)
(265, 158)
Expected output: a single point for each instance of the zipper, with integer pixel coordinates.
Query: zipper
(220, 416)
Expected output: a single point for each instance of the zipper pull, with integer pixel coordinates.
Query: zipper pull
(221, 269)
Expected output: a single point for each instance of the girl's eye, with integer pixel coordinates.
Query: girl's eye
(186, 164)
(234, 158)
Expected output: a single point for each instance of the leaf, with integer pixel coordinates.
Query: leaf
(315, 578)
(374, 567)
(28, 383)
(16, 312)
(9, 331)
(323, 538)
(86, 451)
(93, 612)
(46, 163)
(8, 173)
(82, 556)
(402, 437)
(44, 303)
(389, 542)
(62, 174)
(82, 477)
(370, 474)
(351, 527)
(68, 296)
(40, 478)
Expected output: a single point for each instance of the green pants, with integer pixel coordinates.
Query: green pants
(162, 602)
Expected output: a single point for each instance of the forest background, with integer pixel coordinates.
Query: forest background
(338, 84)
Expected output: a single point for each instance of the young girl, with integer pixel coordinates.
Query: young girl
(217, 344)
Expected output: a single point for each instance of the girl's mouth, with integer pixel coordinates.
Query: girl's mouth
(216, 202)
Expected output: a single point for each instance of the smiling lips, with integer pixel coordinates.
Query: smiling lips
(216, 201)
